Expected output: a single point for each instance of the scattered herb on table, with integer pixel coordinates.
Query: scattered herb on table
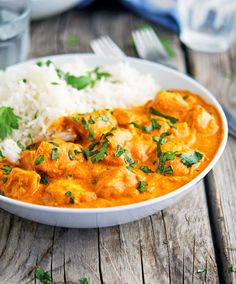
(72, 40)
(233, 268)
(84, 280)
(8, 121)
(43, 276)
(202, 270)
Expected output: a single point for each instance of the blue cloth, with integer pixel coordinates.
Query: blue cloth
(163, 12)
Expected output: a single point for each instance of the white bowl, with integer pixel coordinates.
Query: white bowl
(41, 9)
(102, 217)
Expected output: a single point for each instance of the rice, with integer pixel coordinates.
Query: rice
(40, 97)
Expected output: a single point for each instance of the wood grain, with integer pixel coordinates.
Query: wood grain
(218, 74)
(168, 247)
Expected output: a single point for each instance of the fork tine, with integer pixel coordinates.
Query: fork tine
(106, 47)
(139, 44)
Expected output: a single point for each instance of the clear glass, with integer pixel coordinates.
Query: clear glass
(14, 31)
(208, 25)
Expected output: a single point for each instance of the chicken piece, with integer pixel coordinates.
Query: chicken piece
(27, 159)
(68, 158)
(114, 182)
(125, 116)
(86, 126)
(20, 183)
(68, 191)
(170, 103)
(141, 147)
(202, 120)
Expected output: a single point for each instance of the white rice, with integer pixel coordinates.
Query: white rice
(38, 102)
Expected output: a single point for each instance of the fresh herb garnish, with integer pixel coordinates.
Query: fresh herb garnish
(168, 170)
(109, 133)
(145, 169)
(91, 121)
(75, 119)
(4, 179)
(102, 153)
(43, 276)
(160, 141)
(129, 161)
(188, 161)
(165, 134)
(54, 143)
(69, 194)
(157, 113)
(72, 40)
(103, 118)
(84, 280)
(91, 134)
(54, 154)
(44, 178)
(85, 123)
(165, 156)
(92, 146)
(24, 80)
(70, 155)
(8, 121)
(154, 125)
(233, 268)
(77, 152)
(39, 160)
(202, 269)
(120, 151)
(6, 169)
(1, 155)
(2, 193)
(20, 145)
(142, 186)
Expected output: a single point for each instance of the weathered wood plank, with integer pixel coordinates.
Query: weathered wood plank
(218, 74)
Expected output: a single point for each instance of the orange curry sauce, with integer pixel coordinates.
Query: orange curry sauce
(119, 156)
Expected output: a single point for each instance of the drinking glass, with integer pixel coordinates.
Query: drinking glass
(14, 31)
(208, 25)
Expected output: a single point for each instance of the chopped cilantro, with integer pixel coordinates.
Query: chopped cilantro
(154, 125)
(1, 155)
(39, 160)
(233, 268)
(120, 151)
(85, 123)
(145, 169)
(77, 152)
(44, 178)
(69, 194)
(92, 146)
(188, 161)
(4, 179)
(164, 134)
(165, 156)
(103, 118)
(170, 118)
(54, 154)
(84, 280)
(142, 186)
(8, 121)
(75, 119)
(102, 153)
(6, 169)
(202, 269)
(91, 121)
(109, 133)
(129, 161)
(70, 155)
(43, 276)
(54, 143)
(91, 134)
(168, 170)
(72, 40)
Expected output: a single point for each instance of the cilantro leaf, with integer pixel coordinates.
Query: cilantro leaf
(54, 154)
(72, 40)
(84, 280)
(44, 178)
(120, 151)
(39, 160)
(71, 198)
(102, 117)
(142, 186)
(157, 113)
(202, 269)
(70, 155)
(188, 161)
(43, 276)
(6, 169)
(145, 169)
(166, 156)
(78, 83)
(91, 134)
(8, 121)
(1, 155)
(168, 170)
(129, 161)
(102, 153)
(154, 125)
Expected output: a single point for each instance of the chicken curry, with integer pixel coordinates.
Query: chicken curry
(114, 157)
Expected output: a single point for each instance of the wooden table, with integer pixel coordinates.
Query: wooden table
(168, 247)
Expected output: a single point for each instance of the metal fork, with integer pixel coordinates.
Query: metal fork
(104, 46)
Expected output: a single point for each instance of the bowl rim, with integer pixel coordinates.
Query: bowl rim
(149, 202)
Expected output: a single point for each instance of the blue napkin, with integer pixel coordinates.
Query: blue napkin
(163, 12)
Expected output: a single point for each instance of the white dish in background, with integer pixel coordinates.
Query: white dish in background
(41, 9)
(102, 217)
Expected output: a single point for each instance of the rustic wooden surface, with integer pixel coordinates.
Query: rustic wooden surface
(168, 247)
